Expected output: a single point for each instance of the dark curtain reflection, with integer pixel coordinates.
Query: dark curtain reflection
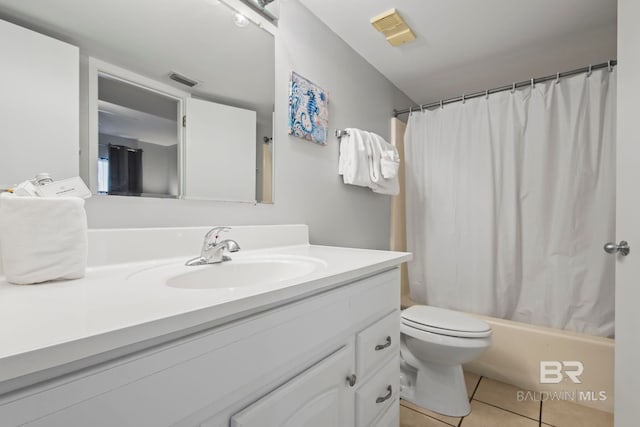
(125, 171)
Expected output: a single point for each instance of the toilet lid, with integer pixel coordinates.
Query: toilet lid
(445, 322)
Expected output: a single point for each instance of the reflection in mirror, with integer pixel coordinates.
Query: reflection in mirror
(220, 148)
(265, 186)
(138, 140)
(229, 65)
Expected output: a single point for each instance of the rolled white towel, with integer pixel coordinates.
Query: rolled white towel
(42, 238)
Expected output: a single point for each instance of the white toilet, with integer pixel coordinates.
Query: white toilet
(434, 344)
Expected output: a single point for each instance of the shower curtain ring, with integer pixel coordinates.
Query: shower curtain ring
(533, 83)
(486, 94)
(590, 70)
(441, 105)
(609, 66)
(463, 99)
(557, 78)
(513, 88)
(422, 108)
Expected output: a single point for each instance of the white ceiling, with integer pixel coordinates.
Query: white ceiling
(465, 46)
(133, 124)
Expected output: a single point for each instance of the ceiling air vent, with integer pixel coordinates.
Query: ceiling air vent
(182, 79)
(391, 24)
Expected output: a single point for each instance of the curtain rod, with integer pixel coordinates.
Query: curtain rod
(513, 86)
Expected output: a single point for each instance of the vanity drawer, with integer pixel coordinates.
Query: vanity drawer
(378, 393)
(377, 343)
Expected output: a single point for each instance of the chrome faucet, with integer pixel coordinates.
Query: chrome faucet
(212, 251)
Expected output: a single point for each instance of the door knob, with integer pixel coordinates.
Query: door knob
(623, 247)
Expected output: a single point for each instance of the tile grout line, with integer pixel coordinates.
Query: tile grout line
(506, 410)
(540, 416)
(471, 398)
(428, 416)
(473, 393)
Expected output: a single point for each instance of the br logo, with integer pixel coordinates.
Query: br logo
(554, 371)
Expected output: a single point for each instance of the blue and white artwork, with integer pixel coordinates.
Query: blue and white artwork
(308, 110)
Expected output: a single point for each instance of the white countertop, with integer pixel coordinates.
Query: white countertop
(49, 325)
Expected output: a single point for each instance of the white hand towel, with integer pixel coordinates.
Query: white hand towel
(374, 153)
(353, 163)
(367, 160)
(383, 185)
(42, 238)
(389, 162)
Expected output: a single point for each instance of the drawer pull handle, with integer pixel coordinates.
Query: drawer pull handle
(385, 345)
(386, 396)
(351, 380)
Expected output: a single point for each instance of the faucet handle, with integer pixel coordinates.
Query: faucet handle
(214, 232)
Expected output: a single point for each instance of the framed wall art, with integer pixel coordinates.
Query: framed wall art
(308, 110)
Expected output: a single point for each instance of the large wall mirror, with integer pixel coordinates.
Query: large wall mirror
(177, 97)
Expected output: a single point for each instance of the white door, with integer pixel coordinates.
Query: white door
(318, 397)
(220, 152)
(627, 371)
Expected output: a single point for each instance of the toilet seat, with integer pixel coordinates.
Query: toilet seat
(444, 322)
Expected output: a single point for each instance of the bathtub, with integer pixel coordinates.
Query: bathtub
(518, 348)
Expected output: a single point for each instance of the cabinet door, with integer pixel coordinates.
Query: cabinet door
(39, 83)
(318, 397)
(223, 136)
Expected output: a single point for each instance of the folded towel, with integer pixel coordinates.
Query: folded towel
(374, 153)
(389, 167)
(382, 184)
(353, 163)
(389, 162)
(367, 160)
(42, 238)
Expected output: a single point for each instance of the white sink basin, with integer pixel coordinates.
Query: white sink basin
(239, 272)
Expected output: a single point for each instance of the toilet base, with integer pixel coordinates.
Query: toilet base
(438, 388)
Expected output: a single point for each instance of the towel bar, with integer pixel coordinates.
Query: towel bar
(340, 133)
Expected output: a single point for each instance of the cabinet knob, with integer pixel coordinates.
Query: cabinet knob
(386, 396)
(385, 345)
(351, 380)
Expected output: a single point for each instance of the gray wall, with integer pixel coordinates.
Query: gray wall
(307, 187)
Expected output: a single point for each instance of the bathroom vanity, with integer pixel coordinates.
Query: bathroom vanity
(284, 334)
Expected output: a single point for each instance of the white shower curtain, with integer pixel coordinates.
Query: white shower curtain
(510, 200)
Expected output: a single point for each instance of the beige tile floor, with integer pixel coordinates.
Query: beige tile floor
(495, 404)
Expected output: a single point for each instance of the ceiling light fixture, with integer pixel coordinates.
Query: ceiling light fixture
(240, 20)
(394, 28)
